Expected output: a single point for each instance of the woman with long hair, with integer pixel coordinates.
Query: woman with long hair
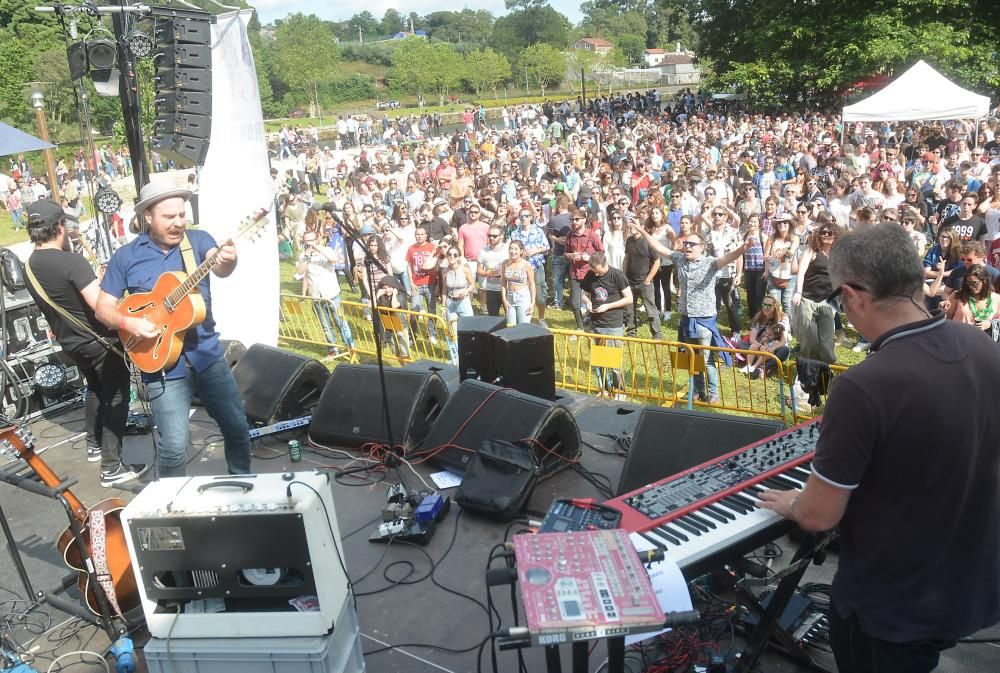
(517, 285)
(613, 237)
(657, 226)
(975, 303)
(813, 320)
(779, 251)
(753, 265)
(890, 190)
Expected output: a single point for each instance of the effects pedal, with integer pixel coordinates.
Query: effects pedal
(571, 515)
(410, 517)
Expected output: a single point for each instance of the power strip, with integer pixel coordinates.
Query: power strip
(280, 426)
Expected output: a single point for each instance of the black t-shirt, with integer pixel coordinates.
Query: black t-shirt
(437, 229)
(639, 258)
(559, 225)
(920, 537)
(606, 289)
(63, 275)
(968, 230)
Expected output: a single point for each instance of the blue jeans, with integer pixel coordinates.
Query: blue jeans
(704, 338)
(609, 379)
(453, 309)
(423, 299)
(783, 294)
(560, 270)
(330, 316)
(171, 401)
(520, 307)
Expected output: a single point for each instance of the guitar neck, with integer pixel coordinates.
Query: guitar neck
(195, 278)
(50, 479)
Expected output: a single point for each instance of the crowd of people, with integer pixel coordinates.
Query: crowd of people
(462, 216)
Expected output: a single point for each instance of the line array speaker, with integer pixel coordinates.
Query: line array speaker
(183, 90)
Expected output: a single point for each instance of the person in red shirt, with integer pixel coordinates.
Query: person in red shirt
(580, 243)
(445, 173)
(421, 265)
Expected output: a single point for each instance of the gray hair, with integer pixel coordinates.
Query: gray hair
(881, 258)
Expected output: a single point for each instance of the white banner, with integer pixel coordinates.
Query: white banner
(234, 183)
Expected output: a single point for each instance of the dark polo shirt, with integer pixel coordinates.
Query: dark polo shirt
(914, 431)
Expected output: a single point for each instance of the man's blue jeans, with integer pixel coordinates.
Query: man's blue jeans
(560, 270)
(704, 338)
(329, 316)
(609, 379)
(171, 401)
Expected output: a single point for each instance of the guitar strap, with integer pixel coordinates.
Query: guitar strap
(187, 256)
(99, 555)
(40, 291)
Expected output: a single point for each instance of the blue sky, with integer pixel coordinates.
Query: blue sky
(269, 10)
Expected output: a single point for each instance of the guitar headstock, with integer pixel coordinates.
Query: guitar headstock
(252, 226)
(16, 442)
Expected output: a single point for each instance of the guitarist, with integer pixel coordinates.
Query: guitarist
(69, 283)
(201, 368)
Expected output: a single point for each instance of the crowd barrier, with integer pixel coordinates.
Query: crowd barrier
(406, 335)
(652, 371)
(644, 371)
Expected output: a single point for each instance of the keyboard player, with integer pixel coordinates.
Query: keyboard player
(906, 467)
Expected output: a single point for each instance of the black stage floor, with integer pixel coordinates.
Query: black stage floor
(407, 615)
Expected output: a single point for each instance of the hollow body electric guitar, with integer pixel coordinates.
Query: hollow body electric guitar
(173, 306)
(117, 563)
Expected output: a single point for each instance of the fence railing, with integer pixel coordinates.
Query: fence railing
(645, 371)
(652, 371)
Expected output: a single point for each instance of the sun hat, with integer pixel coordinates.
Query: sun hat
(154, 192)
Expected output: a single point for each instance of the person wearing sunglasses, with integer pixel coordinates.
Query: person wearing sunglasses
(813, 316)
(696, 278)
(890, 454)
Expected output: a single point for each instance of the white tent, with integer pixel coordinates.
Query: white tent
(920, 93)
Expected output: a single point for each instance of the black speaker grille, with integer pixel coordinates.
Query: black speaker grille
(277, 385)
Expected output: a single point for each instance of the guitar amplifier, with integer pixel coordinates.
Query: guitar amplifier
(237, 556)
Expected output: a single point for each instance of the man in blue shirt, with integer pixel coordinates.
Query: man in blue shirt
(201, 368)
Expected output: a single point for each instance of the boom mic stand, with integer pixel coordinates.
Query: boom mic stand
(371, 263)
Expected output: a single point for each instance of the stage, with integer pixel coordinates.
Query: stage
(424, 612)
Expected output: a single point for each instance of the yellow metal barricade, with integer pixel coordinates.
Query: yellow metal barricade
(406, 335)
(658, 372)
(796, 399)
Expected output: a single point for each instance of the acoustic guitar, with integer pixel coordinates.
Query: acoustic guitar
(173, 306)
(20, 443)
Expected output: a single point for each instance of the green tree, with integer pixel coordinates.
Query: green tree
(464, 26)
(812, 55)
(423, 67)
(304, 54)
(632, 47)
(603, 19)
(392, 23)
(524, 27)
(366, 21)
(15, 69)
(545, 64)
(486, 69)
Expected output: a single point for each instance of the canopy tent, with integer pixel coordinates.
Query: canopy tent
(13, 141)
(919, 93)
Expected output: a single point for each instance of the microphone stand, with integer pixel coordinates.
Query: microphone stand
(371, 263)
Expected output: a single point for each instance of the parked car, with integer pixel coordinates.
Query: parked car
(387, 105)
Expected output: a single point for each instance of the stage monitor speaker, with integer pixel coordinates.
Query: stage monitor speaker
(475, 359)
(277, 385)
(668, 441)
(232, 351)
(523, 359)
(350, 412)
(480, 411)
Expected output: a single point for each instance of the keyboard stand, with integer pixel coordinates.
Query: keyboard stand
(812, 548)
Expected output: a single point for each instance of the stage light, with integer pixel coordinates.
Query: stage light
(50, 379)
(107, 201)
(76, 54)
(140, 44)
(102, 54)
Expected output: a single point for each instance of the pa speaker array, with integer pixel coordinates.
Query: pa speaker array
(183, 90)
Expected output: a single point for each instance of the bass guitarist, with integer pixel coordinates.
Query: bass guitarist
(70, 291)
(201, 368)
